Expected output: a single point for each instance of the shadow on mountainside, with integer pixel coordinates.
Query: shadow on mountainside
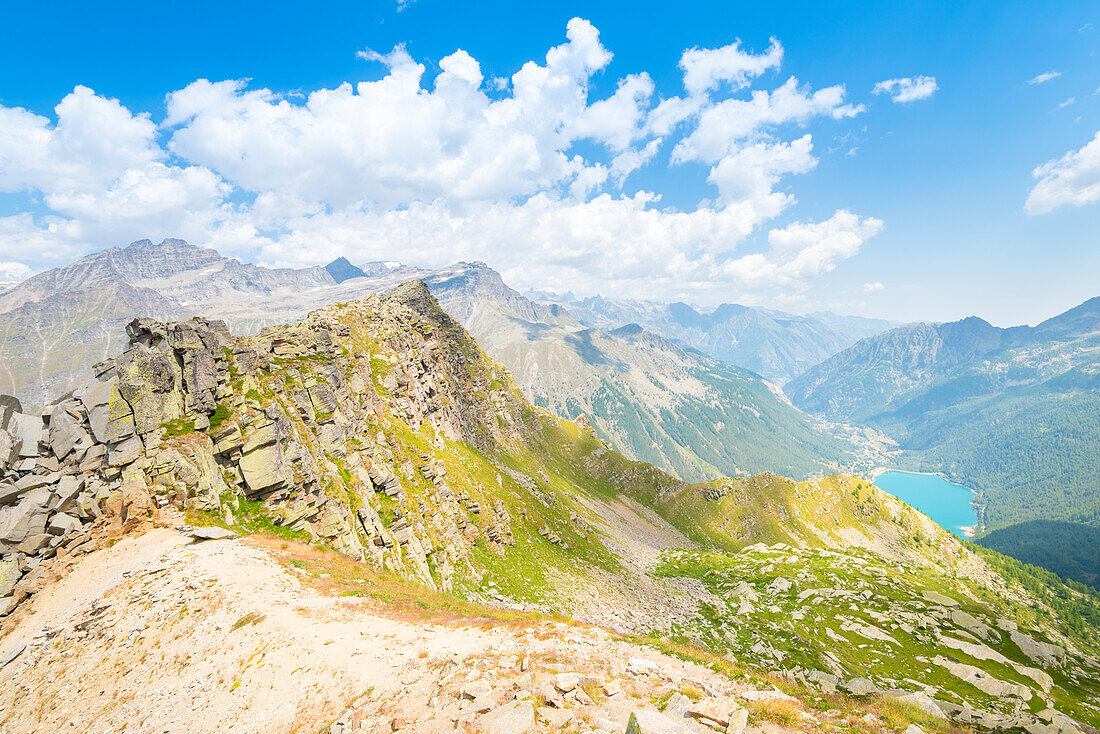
(1068, 549)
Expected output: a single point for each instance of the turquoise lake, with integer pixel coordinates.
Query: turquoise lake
(945, 502)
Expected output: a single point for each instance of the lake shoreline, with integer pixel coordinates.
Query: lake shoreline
(967, 531)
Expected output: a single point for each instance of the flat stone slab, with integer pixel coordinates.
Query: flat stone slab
(211, 533)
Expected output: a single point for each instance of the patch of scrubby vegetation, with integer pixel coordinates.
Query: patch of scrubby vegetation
(178, 427)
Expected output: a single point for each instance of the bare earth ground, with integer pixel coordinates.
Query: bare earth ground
(159, 634)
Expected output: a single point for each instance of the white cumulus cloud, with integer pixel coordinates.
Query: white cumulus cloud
(1072, 179)
(529, 172)
(907, 89)
(11, 272)
(804, 250)
(707, 68)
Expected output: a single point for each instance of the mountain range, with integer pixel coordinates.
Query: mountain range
(684, 411)
(652, 399)
(1010, 412)
(58, 323)
(1014, 413)
(778, 346)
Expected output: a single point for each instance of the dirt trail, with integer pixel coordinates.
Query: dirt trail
(160, 635)
(167, 653)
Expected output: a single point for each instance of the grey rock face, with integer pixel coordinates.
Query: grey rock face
(1041, 652)
(109, 415)
(21, 521)
(27, 433)
(650, 722)
(861, 687)
(63, 524)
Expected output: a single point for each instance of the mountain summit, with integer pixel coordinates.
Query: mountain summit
(341, 269)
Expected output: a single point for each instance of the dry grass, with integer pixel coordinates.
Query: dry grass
(250, 618)
(898, 714)
(783, 712)
(692, 692)
(334, 574)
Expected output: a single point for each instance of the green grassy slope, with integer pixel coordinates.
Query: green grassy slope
(681, 410)
(533, 510)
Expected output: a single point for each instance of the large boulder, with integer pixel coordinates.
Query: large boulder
(263, 464)
(67, 430)
(517, 717)
(322, 397)
(9, 575)
(650, 722)
(27, 433)
(924, 702)
(109, 415)
(24, 520)
(1044, 653)
(717, 712)
(227, 437)
(125, 452)
(66, 492)
(9, 405)
(983, 681)
(150, 382)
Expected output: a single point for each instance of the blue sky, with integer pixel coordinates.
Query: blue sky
(912, 210)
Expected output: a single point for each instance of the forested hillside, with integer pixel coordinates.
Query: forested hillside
(1070, 550)
(1013, 413)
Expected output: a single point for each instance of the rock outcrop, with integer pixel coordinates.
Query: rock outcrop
(189, 417)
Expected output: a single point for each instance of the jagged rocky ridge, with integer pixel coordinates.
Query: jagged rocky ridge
(379, 427)
(680, 410)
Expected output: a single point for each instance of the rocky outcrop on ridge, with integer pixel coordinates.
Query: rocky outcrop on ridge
(189, 417)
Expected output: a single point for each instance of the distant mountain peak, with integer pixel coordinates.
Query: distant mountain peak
(168, 243)
(627, 330)
(341, 269)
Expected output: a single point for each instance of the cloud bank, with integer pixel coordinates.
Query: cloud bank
(529, 173)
